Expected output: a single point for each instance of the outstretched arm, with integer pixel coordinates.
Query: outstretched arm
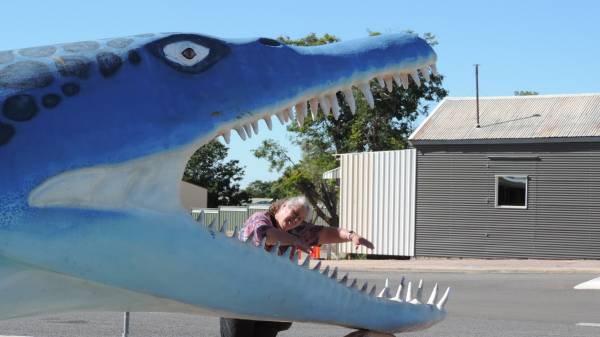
(339, 235)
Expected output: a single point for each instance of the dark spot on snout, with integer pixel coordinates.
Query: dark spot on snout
(109, 63)
(44, 51)
(134, 57)
(73, 66)
(51, 100)
(215, 113)
(7, 131)
(70, 89)
(20, 108)
(26, 75)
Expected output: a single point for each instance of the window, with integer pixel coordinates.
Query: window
(511, 191)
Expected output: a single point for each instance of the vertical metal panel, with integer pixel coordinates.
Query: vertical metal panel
(377, 200)
(456, 213)
(235, 216)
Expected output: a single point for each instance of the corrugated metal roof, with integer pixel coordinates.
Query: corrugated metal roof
(533, 118)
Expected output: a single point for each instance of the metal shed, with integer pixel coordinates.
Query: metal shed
(525, 184)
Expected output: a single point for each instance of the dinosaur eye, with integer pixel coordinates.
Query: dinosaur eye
(185, 53)
(188, 53)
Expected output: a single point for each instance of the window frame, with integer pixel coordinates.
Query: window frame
(496, 180)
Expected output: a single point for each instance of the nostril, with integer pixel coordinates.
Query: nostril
(269, 42)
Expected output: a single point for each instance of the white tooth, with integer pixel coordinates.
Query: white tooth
(241, 132)
(227, 136)
(434, 71)
(248, 130)
(415, 76)
(314, 108)
(267, 119)
(404, 78)
(286, 114)
(389, 84)
(419, 291)
(280, 117)
(373, 290)
(442, 301)
(366, 90)
(255, 127)
(425, 73)
(408, 292)
(300, 113)
(202, 218)
(349, 97)
(381, 81)
(433, 296)
(225, 225)
(325, 105)
(385, 290)
(335, 106)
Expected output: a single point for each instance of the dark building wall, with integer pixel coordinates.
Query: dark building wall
(455, 206)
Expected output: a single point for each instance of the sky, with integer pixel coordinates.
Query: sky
(546, 46)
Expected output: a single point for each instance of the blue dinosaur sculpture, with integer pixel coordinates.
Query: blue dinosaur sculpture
(94, 137)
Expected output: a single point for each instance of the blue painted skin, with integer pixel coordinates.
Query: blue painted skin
(146, 112)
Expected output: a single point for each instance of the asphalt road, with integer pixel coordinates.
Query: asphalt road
(481, 304)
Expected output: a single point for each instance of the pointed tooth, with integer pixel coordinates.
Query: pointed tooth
(317, 266)
(366, 90)
(263, 242)
(425, 73)
(434, 70)
(389, 84)
(241, 132)
(442, 301)
(353, 284)
(381, 81)
(419, 291)
(255, 127)
(314, 108)
(335, 106)
(364, 287)
(213, 224)
(373, 290)
(248, 130)
(404, 78)
(235, 232)
(267, 119)
(386, 289)
(398, 296)
(306, 262)
(415, 77)
(202, 218)
(334, 274)
(325, 105)
(408, 292)
(280, 116)
(326, 271)
(287, 253)
(286, 114)
(224, 227)
(275, 249)
(349, 98)
(227, 136)
(398, 80)
(301, 111)
(433, 296)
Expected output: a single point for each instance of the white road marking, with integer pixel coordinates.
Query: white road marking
(597, 325)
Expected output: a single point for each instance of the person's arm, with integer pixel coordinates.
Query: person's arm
(275, 235)
(339, 235)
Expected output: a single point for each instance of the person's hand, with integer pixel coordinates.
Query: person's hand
(358, 241)
(300, 244)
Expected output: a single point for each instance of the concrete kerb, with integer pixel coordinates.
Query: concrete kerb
(469, 265)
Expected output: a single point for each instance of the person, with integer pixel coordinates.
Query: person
(284, 222)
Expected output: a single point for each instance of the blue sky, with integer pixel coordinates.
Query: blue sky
(547, 46)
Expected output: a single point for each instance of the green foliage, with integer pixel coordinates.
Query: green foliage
(526, 93)
(207, 168)
(386, 127)
(267, 189)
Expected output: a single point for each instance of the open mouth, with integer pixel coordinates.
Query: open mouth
(298, 108)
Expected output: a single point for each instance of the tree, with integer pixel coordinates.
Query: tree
(264, 189)
(526, 93)
(386, 127)
(207, 168)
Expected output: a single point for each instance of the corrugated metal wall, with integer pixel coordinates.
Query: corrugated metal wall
(377, 200)
(456, 214)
